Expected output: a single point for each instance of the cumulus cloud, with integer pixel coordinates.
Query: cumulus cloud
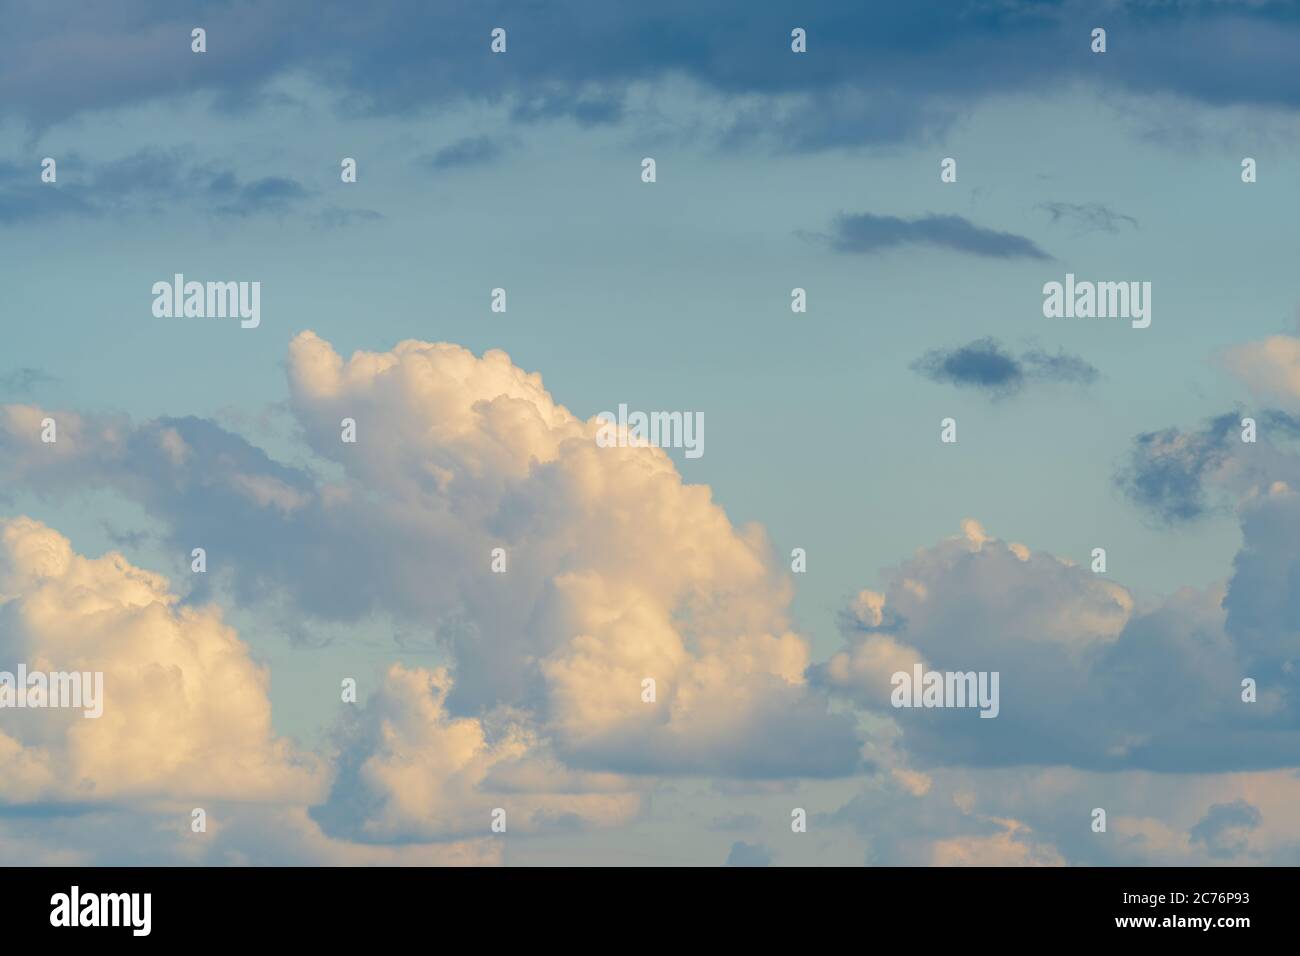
(185, 709)
(412, 772)
(618, 571)
(238, 834)
(186, 722)
(1087, 678)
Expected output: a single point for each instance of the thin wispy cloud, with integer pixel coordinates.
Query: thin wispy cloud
(1085, 218)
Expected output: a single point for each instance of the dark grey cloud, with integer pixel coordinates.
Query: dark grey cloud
(1167, 469)
(749, 854)
(984, 364)
(1087, 217)
(924, 62)
(868, 233)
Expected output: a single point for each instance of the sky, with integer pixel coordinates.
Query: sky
(772, 737)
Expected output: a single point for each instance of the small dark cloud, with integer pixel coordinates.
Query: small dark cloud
(985, 364)
(472, 151)
(867, 233)
(1087, 217)
(1166, 469)
(24, 381)
(749, 854)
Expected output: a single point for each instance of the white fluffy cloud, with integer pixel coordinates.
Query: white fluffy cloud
(412, 772)
(618, 570)
(185, 708)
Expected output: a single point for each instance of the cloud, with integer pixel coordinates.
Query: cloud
(867, 233)
(411, 772)
(1027, 815)
(185, 709)
(186, 722)
(238, 834)
(1087, 217)
(878, 72)
(618, 571)
(1180, 476)
(1012, 845)
(149, 182)
(1087, 679)
(985, 364)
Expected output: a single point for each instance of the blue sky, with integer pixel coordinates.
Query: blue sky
(522, 171)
